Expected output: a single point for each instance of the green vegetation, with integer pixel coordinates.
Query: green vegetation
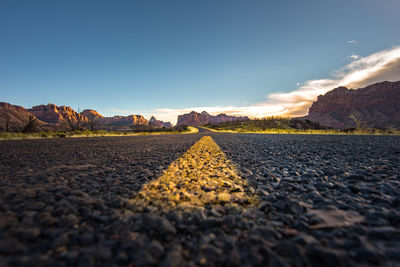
(279, 125)
(151, 129)
(87, 133)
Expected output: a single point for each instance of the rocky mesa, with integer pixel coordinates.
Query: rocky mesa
(53, 117)
(60, 114)
(124, 120)
(92, 114)
(374, 106)
(157, 123)
(197, 119)
(14, 118)
(51, 113)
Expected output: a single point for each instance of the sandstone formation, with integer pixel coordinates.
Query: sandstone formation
(222, 118)
(197, 119)
(374, 106)
(157, 123)
(14, 118)
(92, 114)
(115, 120)
(56, 114)
(53, 114)
(53, 117)
(124, 120)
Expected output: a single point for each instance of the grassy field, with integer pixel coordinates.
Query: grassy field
(87, 133)
(299, 131)
(276, 125)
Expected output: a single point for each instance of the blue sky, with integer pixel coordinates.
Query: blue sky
(146, 57)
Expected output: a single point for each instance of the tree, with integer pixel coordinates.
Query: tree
(92, 122)
(357, 121)
(31, 125)
(8, 119)
(75, 124)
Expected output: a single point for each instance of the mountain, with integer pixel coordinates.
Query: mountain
(222, 118)
(14, 118)
(53, 114)
(115, 120)
(124, 120)
(53, 117)
(374, 106)
(92, 114)
(61, 114)
(157, 123)
(197, 119)
(194, 119)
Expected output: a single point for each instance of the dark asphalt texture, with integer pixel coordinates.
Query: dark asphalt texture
(324, 201)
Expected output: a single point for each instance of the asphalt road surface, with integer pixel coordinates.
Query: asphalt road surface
(191, 200)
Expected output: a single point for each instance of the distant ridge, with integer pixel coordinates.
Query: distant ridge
(14, 118)
(54, 117)
(374, 106)
(157, 123)
(90, 113)
(197, 119)
(51, 113)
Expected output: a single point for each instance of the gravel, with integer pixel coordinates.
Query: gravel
(322, 200)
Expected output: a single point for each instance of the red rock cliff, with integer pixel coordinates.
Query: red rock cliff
(376, 105)
(13, 118)
(197, 119)
(53, 114)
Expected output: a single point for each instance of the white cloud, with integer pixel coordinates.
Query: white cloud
(380, 66)
(353, 42)
(353, 57)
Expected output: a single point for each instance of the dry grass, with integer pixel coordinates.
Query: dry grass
(309, 131)
(41, 135)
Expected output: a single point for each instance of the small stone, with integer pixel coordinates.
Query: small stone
(143, 258)
(122, 257)
(37, 205)
(261, 193)
(210, 223)
(304, 239)
(384, 233)
(61, 240)
(289, 232)
(103, 253)
(158, 225)
(29, 234)
(156, 249)
(224, 197)
(85, 260)
(295, 207)
(251, 190)
(71, 219)
(29, 217)
(69, 256)
(6, 221)
(11, 246)
(174, 257)
(319, 256)
(46, 219)
(86, 239)
(209, 254)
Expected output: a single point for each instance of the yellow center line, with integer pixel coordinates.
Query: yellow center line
(202, 177)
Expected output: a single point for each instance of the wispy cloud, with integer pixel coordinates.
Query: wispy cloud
(380, 66)
(353, 57)
(353, 42)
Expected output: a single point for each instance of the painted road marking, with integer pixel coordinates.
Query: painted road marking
(202, 177)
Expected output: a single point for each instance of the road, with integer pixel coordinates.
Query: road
(200, 200)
